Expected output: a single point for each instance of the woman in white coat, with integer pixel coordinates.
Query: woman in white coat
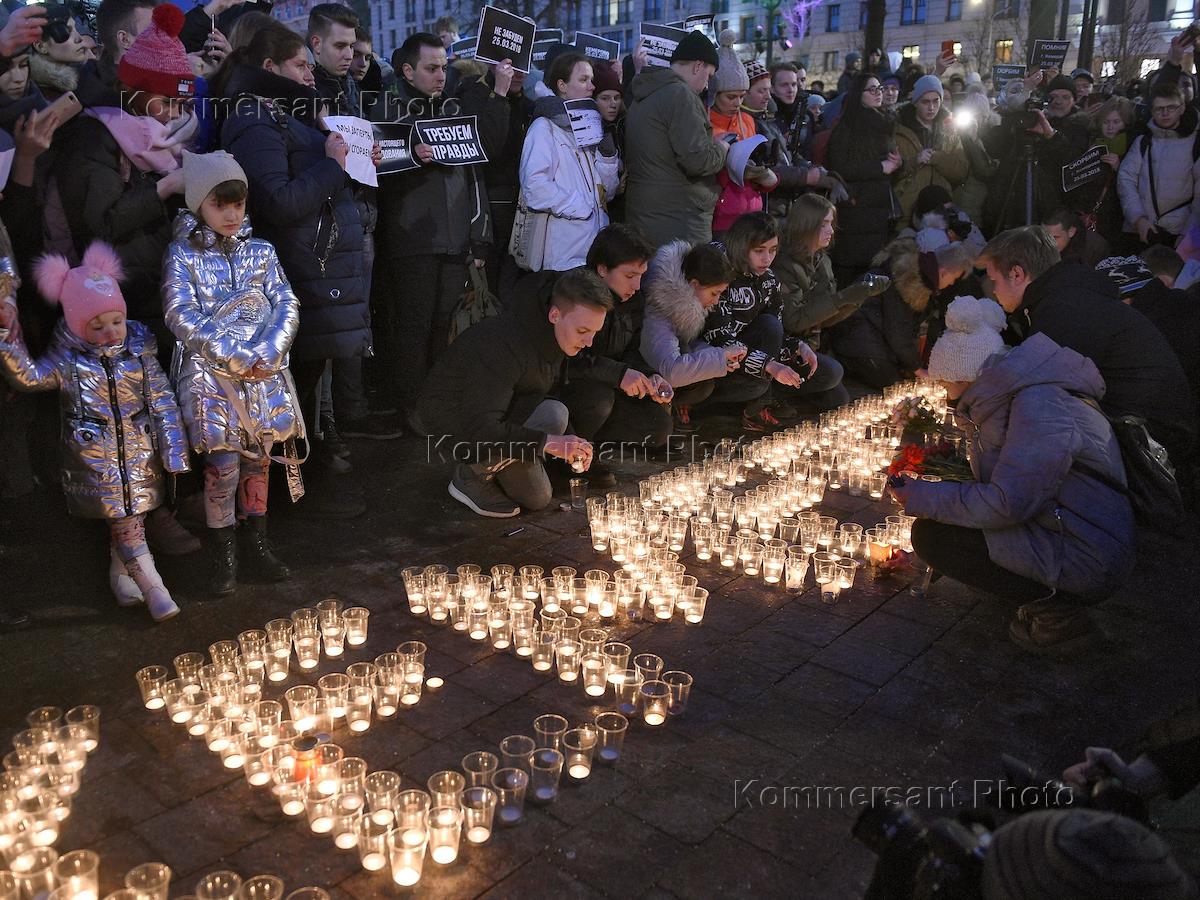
(568, 182)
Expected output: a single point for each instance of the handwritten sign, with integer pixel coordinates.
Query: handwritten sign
(463, 48)
(1048, 54)
(1003, 73)
(595, 47)
(396, 141)
(586, 123)
(502, 36)
(455, 140)
(1086, 169)
(359, 136)
(659, 42)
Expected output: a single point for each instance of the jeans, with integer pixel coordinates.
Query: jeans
(525, 482)
(605, 415)
(962, 554)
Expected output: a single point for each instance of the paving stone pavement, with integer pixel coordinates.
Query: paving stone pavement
(882, 689)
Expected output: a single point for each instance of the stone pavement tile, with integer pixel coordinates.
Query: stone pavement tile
(539, 878)
(776, 651)
(933, 609)
(846, 877)
(853, 608)
(120, 746)
(709, 575)
(455, 645)
(437, 756)
(445, 711)
(679, 645)
(512, 718)
(815, 687)
(814, 625)
(932, 706)
(510, 848)
(576, 546)
(906, 744)
(107, 805)
(178, 774)
(726, 866)
(385, 743)
(615, 853)
(578, 802)
(757, 593)
(862, 660)
(680, 802)
(499, 678)
(940, 664)
(119, 853)
(726, 754)
(703, 711)
(292, 848)
(778, 720)
(733, 676)
(895, 633)
(647, 751)
(788, 821)
(203, 830)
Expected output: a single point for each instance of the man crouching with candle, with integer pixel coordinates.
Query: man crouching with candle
(486, 403)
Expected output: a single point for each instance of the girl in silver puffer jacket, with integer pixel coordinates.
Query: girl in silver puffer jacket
(233, 313)
(120, 423)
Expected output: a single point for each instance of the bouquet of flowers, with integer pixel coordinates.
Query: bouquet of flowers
(940, 461)
(914, 415)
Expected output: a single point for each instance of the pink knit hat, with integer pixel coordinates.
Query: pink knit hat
(85, 292)
(157, 62)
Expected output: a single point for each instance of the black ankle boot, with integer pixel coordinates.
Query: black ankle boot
(222, 554)
(258, 558)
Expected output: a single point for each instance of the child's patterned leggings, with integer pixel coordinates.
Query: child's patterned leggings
(234, 488)
(129, 536)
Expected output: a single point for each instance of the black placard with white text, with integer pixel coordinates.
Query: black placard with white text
(463, 48)
(395, 140)
(455, 140)
(502, 36)
(595, 47)
(1048, 54)
(540, 49)
(1003, 73)
(1086, 169)
(659, 42)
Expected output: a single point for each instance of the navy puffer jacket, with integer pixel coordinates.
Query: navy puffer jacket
(303, 203)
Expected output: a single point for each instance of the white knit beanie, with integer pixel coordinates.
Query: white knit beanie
(972, 335)
(731, 74)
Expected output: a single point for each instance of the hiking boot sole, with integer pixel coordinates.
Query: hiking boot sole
(462, 498)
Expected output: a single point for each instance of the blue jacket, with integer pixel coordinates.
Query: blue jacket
(1033, 440)
(302, 202)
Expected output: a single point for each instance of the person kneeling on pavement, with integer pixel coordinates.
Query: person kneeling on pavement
(1042, 522)
(486, 403)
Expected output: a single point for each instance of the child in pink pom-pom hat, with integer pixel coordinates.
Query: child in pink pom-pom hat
(120, 421)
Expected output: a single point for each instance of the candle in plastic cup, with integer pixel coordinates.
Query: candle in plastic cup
(654, 718)
(406, 876)
(373, 862)
(477, 834)
(579, 772)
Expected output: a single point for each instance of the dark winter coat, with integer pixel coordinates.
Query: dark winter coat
(1005, 206)
(1042, 517)
(1078, 308)
(857, 152)
(1177, 316)
(796, 124)
(485, 385)
(433, 209)
(811, 299)
(302, 202)
(947, 168)
(746, 298)
(886, 327)
(503, 122)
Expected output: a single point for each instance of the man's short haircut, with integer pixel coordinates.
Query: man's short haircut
(616, 245)
(1162, 260)
(1064, 218)
(1166, 90)
(114, 16)
(446, 23)
(410, 51)
(1029, 247)
(323, 15)
(784, 66)
(707, 265)
(955, 257)
(581, 285)
(362, 34)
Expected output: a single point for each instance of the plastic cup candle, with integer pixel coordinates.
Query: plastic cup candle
(567, 655)
(445, 831)
(655, 700)
(355, 620)
(479, 806)
(611, 728)
(548, 731)
(545, 770)
(406, 852)
(694, 614)
(509, 785)
(578, 745)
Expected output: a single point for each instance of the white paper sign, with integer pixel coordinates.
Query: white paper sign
(360, 138)
(585, 121)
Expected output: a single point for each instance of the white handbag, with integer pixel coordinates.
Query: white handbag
(528, 242)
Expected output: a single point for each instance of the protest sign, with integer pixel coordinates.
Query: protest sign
(540, 49)
(1048, 54)
(1003, 73)
(1087, 168)
(704, 23)
(595, 47)
(396, 141)
(502, 36)
(455, 140)
(585, 121)
(659, 42)
(360, 138)
(463, 48)
(548, 34)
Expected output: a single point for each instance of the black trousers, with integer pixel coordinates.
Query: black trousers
(604, 414)
(874, 373)
(425, 291)
(962, 554)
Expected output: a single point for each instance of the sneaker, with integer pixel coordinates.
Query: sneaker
(332, 438)
(166, 536)
(327, 458)
(759, 421)
(682, 415)
(481, 495)
(1050, 624)
(373, 428)
(600, 476)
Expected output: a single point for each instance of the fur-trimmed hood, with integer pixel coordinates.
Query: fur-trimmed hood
(669, 294)
(903, 259)
(48, 73)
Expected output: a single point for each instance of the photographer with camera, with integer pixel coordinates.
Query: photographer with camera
(1036, 138)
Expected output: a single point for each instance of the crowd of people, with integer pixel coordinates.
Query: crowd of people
(728, 240)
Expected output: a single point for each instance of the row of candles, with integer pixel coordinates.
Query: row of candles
(41, 777)
(76, 876)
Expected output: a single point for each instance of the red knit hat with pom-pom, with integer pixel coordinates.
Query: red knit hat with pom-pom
(157, 62)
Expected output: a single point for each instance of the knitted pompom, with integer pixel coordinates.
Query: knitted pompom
(728, 38)
(103, 257)
(971, 314)
(50, 273)
(169, 18)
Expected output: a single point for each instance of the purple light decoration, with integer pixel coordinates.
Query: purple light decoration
(799, 14)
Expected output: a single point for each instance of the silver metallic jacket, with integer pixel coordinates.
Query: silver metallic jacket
(120, 422)
(230, 306)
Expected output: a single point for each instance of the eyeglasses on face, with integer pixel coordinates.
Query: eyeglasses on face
(1166, 110)
(874, 89)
